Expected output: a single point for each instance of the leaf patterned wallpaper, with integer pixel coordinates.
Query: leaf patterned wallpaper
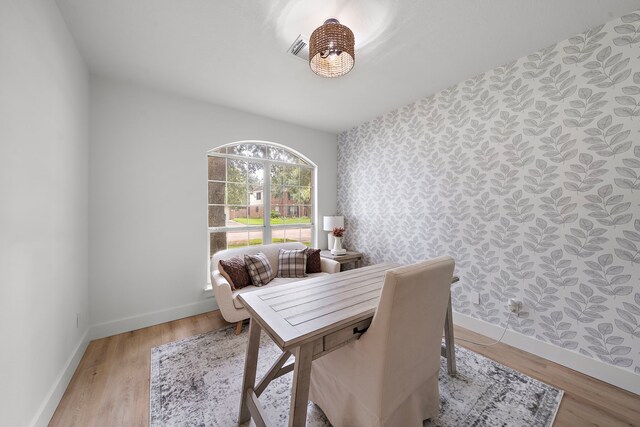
(529, 176)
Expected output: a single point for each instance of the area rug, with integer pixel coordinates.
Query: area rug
(196, 382)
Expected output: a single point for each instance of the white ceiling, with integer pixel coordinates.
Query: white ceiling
(233, 52)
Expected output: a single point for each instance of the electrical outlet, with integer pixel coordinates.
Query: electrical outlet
(475, 297)
(514, 305)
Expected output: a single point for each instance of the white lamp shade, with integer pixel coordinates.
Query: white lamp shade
(331, 222)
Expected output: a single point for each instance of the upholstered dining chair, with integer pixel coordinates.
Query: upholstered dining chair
(389, 376)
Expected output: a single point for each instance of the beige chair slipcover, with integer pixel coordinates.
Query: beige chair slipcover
(389, 377)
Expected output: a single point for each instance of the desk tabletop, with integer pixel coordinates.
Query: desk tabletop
(304, 310)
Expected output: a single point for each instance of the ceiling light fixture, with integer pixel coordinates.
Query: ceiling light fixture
(331, 49)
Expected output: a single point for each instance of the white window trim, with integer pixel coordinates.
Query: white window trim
(267, 227)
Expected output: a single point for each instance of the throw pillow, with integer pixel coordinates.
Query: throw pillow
(292, 263)
(313, 261)
(234, 270)
(259, 269)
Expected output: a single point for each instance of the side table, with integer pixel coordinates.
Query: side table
(354, 257)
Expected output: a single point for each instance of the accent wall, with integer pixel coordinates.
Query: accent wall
(529, 176)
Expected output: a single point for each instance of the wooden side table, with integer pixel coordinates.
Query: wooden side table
(354, 257)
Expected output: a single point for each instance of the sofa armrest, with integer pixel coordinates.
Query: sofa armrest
(223, 294)
(329, 266)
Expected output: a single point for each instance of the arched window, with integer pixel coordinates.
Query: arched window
(259, 193)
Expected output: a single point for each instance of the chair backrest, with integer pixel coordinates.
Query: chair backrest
(407, 327)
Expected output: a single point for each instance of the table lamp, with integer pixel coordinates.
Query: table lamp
(329, 223)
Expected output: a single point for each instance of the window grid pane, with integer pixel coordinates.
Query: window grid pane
(217, 217)
(237, 239)
(237, 198)
(216, 193)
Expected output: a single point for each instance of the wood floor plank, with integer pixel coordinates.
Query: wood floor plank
(575, 412)
(583, 394)
(111, 385)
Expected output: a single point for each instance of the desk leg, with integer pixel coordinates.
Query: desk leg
(250, 366)
(449, 340)
(300, 386)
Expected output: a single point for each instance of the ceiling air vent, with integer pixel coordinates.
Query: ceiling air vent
(300, 48)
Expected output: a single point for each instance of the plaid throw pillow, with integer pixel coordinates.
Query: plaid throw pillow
(313, 261)
(259, 269)
(292, 263)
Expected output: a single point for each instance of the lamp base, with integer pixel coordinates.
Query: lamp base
(330, 241)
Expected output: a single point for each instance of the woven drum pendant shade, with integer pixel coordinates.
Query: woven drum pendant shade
(331, 52)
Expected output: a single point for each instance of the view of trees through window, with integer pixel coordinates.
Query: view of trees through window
(240, 211)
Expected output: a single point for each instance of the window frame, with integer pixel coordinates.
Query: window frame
(267, 227)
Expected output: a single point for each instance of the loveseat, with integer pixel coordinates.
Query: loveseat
(231, 308)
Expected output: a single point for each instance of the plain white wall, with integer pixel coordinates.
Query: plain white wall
(148, 198)
(44, 101)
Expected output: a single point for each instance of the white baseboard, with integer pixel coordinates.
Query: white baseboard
(619, 377)
(50, 403)
(132, 323)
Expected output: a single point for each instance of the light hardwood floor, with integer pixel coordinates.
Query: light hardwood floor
(111, 385)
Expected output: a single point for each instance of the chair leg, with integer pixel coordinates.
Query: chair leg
(238, 327)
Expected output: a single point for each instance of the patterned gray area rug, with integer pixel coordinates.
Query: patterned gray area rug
(196, 382)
